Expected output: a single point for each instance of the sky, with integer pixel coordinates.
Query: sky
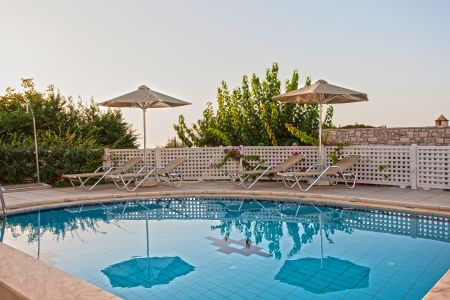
(395, 51)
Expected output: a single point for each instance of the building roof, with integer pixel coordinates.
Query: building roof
(441, 118)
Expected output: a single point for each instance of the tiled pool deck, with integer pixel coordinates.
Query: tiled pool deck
(432, 201)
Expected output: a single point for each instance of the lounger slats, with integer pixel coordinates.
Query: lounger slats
(126, 166)
(245, 176)
(291, 179)
(83, 175)
(80, 180)
(124, 180)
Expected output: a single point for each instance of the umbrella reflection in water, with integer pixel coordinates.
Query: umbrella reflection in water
(323, 275)
(335, 275)
(147, 271)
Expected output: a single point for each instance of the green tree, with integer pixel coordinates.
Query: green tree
(248, 115)
(71, 135)
(61, 116)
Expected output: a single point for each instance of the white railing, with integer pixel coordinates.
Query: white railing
(413, 166)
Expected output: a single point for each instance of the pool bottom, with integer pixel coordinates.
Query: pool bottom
(239, 250)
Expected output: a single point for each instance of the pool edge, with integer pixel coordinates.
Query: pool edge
(348, 200)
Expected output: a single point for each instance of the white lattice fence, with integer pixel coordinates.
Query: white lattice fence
(421, 166)
(433, 167)
(380, 164)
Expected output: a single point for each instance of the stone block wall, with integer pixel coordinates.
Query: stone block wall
(422, 136)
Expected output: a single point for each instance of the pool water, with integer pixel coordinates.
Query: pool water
(225, 248)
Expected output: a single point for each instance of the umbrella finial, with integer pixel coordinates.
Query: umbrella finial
(144, 87)
(321, 81)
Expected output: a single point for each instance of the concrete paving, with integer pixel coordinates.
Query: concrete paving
(429, 200)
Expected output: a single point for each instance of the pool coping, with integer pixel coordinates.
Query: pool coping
(441, 290)
(438, 210)
(25, 277)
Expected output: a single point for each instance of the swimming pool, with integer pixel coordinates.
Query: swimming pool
(218, 248)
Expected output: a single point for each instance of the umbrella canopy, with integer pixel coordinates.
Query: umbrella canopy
(335, 275)
(146, 272)
(144, 98)
(321, 92)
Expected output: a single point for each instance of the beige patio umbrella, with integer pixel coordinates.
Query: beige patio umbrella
(144, 98)
(321, 92)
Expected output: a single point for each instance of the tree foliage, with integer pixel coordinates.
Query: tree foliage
(71, 135)
(247, 115)
(59, 116)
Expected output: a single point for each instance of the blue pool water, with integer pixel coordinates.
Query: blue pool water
(222, 248)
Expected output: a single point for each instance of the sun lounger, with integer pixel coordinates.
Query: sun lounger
(165, 174)
(80, 180)
(248, 178)
(332, 173)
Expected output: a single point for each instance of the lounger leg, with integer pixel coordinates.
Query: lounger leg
(312, 184)
(180, 181)
(97, 182)
(350, 185)
(286, 179)
(139, 183)
(256, 180)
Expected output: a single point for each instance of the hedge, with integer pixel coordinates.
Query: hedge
(17, 165)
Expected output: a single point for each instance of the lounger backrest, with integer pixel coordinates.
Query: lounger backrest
(175, 163)
(291, 161)
(127, 165)
(346, 163)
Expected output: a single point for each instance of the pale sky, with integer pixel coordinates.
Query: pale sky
(398, 52)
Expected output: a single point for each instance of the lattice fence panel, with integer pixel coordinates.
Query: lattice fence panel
(117, 157)
(433, 167)
(276, 155)
(380, 164)
(201, 162)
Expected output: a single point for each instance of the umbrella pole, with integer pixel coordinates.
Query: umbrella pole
(320, 137)
(321, 240)
(146, 231)
(39, 235)
(145, 137)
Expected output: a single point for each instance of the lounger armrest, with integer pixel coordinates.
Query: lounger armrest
(263, 165)
(335, 167)
(103, 168)
(144, 168)
(162, 169)
(312, 166)
(117, 168)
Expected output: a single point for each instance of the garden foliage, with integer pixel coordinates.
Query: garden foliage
(248, 115)
(71, 136)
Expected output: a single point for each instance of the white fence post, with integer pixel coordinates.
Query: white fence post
(241, 166)
(157, 157)
(107, 157)
(413, 166)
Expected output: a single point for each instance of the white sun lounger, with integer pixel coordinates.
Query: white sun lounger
(164, 174)
(80, 180)
(248, 178)
(332, 173)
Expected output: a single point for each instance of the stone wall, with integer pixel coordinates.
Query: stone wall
(422, 136)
